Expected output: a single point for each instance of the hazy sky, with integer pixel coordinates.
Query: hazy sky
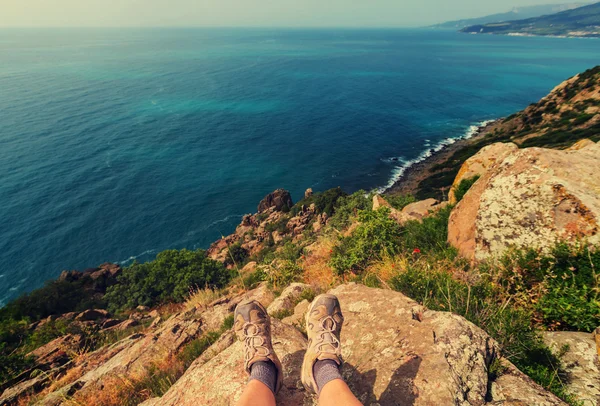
(279, 13)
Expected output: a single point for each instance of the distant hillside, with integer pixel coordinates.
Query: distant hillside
(517, 13)
(570, 112)
(580, 22)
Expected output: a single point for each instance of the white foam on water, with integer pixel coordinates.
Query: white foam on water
(399, 171)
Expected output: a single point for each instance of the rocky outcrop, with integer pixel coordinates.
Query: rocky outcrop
(582, 362)
(130, 357)
(392, 358)
(480, 163)
(269, 227)
(279, 200)
(532, 198)
(414, 211)
(288, 299)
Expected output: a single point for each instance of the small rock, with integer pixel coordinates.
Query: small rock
(249, 267)
(156, 322)
(288, 298)
(142, 308)
(126, 325)
(153, 314)
(297, 319)
(419, 210)
(92, 315)
(111, 323)
(308, 193)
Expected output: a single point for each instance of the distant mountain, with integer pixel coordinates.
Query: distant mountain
(517, 13)
(580, 22)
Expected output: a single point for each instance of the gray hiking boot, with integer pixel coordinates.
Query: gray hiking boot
(252, 325)
(324, 321)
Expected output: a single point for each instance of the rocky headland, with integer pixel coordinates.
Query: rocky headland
(481, 290)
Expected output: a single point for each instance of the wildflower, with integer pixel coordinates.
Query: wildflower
(416, 251)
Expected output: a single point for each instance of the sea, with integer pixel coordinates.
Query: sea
(116, 144)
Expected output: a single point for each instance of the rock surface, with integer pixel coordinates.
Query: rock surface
(480, 163)
(288, 299)
(391, 359)
(414, 211)
(278, 199)
(582, 362)
(531, 199)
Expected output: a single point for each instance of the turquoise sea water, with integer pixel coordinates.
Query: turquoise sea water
(116, 144)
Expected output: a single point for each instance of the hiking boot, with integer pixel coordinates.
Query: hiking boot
(252, 325)
(324, 321)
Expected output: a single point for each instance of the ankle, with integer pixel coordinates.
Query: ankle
(265, 372)
(324, 372)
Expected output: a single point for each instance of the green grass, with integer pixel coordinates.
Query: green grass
(463, 187)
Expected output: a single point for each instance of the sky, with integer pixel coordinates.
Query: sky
(247, 13)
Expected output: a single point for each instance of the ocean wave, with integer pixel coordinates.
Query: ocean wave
(214, 223)
(400, 170)
(134, 257)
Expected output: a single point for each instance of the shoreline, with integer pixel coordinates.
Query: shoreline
(412, 175)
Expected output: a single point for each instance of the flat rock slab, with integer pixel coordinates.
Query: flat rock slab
(396, 353)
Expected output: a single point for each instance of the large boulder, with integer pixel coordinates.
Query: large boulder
(396, 353)
(279, 199)
(480, 163)
(531, 199)
(581, 362)
(221, 380)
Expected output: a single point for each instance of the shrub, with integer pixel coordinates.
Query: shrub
(571, 300)
(463, 187)
(429, 235)
(166, 279)
(377, 236)
(56, 297)
(347, 208)
(399, 202)
(280, 225)
(12, 364)
(237, 255)
(325, 202)
(282, 273)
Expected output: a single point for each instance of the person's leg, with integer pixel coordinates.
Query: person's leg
(257, 393)
(323, 358)
(336, 393)
(252, 326)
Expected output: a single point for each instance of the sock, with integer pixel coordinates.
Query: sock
(326, 371)
(264, 372)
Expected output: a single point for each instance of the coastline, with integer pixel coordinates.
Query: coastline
(412, 175)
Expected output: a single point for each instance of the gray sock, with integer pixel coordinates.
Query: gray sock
(265, 372)
(326, 371)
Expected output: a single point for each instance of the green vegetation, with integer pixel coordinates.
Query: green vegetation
(166, 279)
(325, 202)
(463, 187)
(399, 202)
(376, 237)
(347, 207)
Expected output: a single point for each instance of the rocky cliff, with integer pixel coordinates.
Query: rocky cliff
(490, 297)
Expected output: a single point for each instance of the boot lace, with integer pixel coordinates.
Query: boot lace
(327, 340)
(254, 342)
